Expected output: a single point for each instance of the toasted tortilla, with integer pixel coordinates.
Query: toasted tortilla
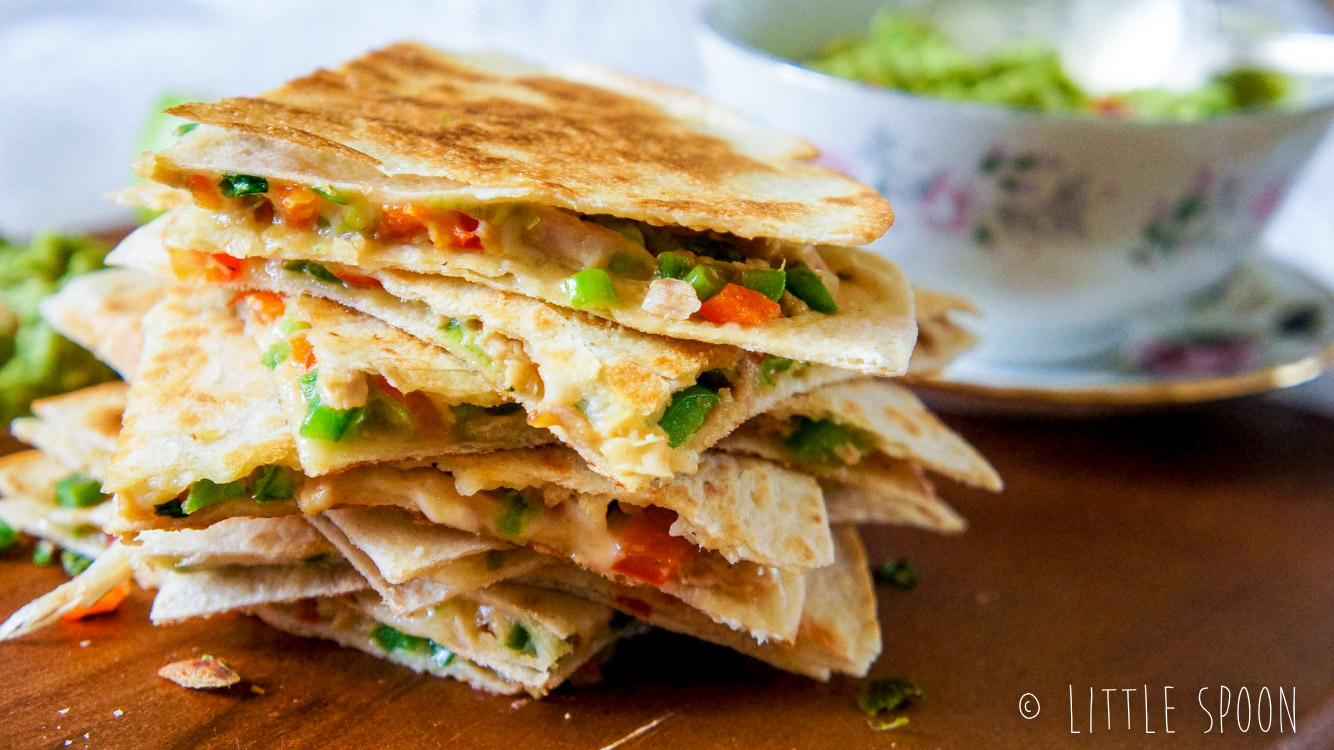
(413, 565)
(897, 423)
(103, 312)
(285, 540)
(350, 349)
(872, 332)
(201, 407)
(839, 631)
(407, 122)
(77, 429)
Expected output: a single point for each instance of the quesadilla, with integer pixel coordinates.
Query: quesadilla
(615, 197)
(634, 405)
(940, 338)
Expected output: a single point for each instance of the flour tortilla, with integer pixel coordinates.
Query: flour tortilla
(78, 429)
(201, 407)
(28, 485)
(406, 122)
(839, 630)
(103, 312)
(213, 591)
(285, 540)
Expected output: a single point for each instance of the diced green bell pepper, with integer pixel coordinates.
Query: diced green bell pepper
(514, 513)
(806, 286)
(591, 287)
(767, 281)
(44, 553)
(316, 270)
(323, 422)
(687, 412)
(519, 639)
(673, 266)
(822, 441)
(74, 563)
(78, 491)
(205, 492)
(771, 365)
(273, 483)
(706, 280)
(276, 354)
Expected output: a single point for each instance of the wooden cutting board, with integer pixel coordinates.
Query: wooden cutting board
(1192, 550)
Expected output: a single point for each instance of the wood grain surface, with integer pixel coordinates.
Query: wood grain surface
(1190, 550)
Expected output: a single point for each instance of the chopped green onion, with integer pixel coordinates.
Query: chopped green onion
(687, 412)
(897, 573)
(78, 491)
(8, 536)
(274, 483)
(771, 365)
(673, 266)
(887, 694)
(881, 725)
(314, 269)
(806, 286)
(323, 422)
(290, 327)
(706, 280)
(385, 410)
(519, 639)
(767, 281)
(275, 354)
(44, 553)
(514, 513)
(591, 287)
(184, 128)
(233, 184)
(329, 194)
(392, 639)
(463, 333)
(824, 441)
(206, 492)
(711, 248)
(170, 509)
(74, 563)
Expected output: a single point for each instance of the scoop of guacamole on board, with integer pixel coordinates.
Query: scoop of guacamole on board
(907, 52)
(37, 361)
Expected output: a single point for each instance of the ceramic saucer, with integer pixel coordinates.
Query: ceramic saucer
(1268, 326)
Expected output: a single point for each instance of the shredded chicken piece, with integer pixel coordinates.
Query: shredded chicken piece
(200, 674)
(342, 390)
(671, 298)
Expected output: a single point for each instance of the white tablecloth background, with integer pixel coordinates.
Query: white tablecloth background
(79, 77)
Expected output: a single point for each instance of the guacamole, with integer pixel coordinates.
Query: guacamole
(37, 361)
(907, 52)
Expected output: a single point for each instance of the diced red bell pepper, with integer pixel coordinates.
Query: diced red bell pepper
(302, 352)
(108, 603)
(357, 280)
(448, 229)
(297, 206)
(205, 192)
(649, 552)
(194, 265)
(737, 304)
(265, 307)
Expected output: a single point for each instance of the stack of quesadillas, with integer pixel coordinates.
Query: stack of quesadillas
(480, 368)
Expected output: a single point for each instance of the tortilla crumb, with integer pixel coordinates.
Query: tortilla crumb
(200, 674)
(256, 689)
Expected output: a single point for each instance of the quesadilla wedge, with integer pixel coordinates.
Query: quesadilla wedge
(102, 312)
(78, 429)
(32, 502)
(634, 405)
(412, 156)
(940, 338)
(839, 631)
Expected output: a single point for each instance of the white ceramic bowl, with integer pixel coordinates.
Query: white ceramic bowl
(1062, 229)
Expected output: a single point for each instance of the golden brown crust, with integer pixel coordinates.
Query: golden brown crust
(408, 110)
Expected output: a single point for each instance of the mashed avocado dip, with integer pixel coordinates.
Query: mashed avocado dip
(907, 52)
(37, 361)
